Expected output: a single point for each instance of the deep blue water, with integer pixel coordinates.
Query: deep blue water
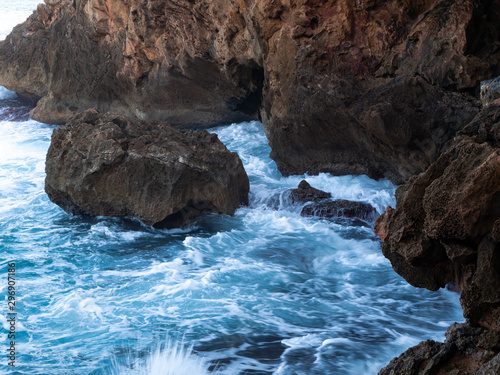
(263, 292)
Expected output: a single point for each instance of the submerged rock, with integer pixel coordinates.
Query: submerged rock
(306, 193)
(108, 165)
(446, 228)
(315, 202)
(490, 91)
(341, 209)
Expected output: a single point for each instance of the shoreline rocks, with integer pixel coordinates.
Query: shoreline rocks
(343, 87)
(490, 91)
(446, 228)
(108, 165)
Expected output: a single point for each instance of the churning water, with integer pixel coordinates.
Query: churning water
(263, 292)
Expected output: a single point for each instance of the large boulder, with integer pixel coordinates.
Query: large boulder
(108, 165)
(490, 91)
(446, 228)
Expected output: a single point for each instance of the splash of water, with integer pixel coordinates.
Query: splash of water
(170, 358)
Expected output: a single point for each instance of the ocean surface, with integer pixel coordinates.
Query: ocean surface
(265, 291)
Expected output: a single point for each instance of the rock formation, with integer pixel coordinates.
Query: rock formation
(315, 202)
(306, 193)
(108, 165)
(490, 91)
(446, 228)
(346, 87)
(340, 208)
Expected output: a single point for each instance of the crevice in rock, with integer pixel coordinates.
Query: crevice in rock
(250, 77)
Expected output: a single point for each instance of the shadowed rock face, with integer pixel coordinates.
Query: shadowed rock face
(446, 227)
(107, 165)
(345, 87)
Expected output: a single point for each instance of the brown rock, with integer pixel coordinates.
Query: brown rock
(108, 165)
(318, 203)
(340, 209)
(152, 60)
(445, 228)
(342, 87)
(466, 350)
(306, 193)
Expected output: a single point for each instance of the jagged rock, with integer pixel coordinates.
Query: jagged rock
(108, 165)
(315, 202)
(490, 91)
(445, 228)
(306, 193)
(345, 87)
(341, 209)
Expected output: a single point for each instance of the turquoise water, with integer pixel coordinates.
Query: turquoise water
(263, 292)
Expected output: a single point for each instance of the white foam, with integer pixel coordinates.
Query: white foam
(309, 340)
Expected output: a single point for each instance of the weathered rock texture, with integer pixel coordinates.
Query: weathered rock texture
(108, 165)
(466, 350)
(341, 208)
(306, 193)
(342, 86)
(446, 227)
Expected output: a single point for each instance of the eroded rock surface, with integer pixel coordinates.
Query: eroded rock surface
(446, 227)
(345, 87)
(306, 193)
(108, 165)
(490, 91)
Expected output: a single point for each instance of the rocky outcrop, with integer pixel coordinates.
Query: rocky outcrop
(152, 60)
(305, 193)
(315, 202)
(446, 227)
(345, 87)
(108, 165)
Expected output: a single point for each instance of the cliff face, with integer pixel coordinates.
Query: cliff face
(346, 87)
(446, 228)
